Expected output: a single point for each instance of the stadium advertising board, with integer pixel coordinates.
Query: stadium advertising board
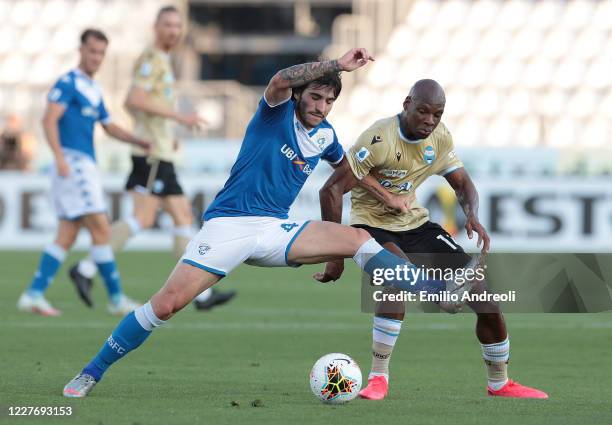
(545, 215)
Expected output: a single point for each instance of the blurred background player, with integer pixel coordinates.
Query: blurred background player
(403, 151)
(75, 104)
(153, 182)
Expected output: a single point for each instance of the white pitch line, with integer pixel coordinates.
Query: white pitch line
(290, 326)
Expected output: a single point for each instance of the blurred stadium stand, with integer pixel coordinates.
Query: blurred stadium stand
(529, 99)
(518, 73)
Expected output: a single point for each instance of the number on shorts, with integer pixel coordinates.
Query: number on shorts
(287, 227)
(447, 242)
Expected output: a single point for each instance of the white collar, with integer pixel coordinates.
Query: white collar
(300, 126)
(78, 71)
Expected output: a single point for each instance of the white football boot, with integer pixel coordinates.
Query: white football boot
(37, 305)
(79, 386)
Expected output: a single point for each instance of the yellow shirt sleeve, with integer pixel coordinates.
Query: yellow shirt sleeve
(449, 160)
(370, 151)
(145, 72)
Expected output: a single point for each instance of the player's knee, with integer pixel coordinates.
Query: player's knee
(163, 305)
(65, 242)
(361, 236)
(100, 233)
(167, 304)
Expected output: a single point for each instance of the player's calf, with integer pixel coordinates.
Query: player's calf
(184, 284)
(456, 290)
(131, 332)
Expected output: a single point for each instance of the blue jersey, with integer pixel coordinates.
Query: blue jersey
(82, 99)
(277, 156)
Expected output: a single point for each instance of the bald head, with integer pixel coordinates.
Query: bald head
(428, 91)
(423, 109)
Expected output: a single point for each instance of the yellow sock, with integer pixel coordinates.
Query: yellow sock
(497, 374)
(496, 360)
(381, 356)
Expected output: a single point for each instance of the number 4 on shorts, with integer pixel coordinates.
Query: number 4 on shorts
(287, 227)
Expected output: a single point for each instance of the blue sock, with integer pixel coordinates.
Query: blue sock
(50, 261)
(103, 256)
(372, 256)
(127, 336)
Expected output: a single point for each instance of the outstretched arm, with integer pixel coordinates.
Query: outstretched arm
(140, 100)
(119, 133)
(467, 195)
(279, 87)
(342, 180)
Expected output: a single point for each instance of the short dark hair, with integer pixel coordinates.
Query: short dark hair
(92, 32)
(331, 79)
(166, 9)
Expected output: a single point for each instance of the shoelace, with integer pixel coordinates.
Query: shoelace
(85, 379)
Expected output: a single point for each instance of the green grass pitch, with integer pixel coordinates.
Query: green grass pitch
(209, 368)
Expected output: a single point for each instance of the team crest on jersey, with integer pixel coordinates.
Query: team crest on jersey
(362, 154)
(376, 139)
(429, 155)
(321, 142)
(203, 248)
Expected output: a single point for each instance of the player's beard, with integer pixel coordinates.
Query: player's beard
(307, 120)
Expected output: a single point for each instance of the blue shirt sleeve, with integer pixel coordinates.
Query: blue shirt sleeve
(273, 114)
(334, 152)
(62, 92)
(103, 115)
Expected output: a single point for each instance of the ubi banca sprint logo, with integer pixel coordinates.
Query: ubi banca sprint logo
(295, 159)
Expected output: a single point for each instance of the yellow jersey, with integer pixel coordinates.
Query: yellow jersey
(153, 73)
(400, 165)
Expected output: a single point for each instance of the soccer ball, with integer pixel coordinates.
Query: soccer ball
(335, 378)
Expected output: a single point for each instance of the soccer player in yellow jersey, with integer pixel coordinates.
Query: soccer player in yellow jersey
(402, 151)
(153, 182)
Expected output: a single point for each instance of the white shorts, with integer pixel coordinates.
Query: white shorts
(223, 243)
(80, 193)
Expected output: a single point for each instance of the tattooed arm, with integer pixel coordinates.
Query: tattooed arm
(279, 87)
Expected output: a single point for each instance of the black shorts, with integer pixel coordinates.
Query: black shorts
(154, 177)
(428, 245)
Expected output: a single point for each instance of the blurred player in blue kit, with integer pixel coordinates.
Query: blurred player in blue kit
(153, 183)
(248, 222)
(74, 106)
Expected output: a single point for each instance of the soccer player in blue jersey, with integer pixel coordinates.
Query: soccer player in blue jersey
(248, 220)
(75, 104)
